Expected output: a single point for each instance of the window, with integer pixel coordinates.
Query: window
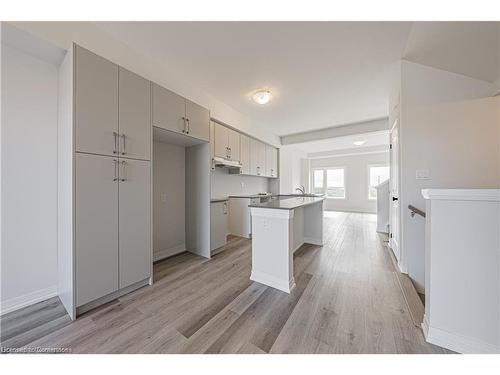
(329, 181)
(378, 174)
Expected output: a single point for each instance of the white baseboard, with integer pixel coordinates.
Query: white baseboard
(455, 342)
(161, 254)
(19, 302)
(266, 279)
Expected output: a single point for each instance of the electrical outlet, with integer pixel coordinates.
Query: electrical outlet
(163, 197)
(242, 184)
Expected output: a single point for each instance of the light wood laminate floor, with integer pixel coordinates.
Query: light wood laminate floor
(347, 300)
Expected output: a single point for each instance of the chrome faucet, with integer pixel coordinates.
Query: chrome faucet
(302, 189)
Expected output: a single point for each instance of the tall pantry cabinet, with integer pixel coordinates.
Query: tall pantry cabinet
(104, 164)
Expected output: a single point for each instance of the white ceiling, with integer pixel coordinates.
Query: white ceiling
(345, 143)
(322, 73)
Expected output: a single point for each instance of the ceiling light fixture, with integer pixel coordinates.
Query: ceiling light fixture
(262, 96)
(359, 143)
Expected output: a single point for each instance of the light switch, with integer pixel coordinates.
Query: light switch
(423, 174)
(163, 197)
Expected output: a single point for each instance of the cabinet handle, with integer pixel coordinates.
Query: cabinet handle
(115, 176)
(115, 138)
(184, 122)
(188, 125)
(124, 150)
(122, 175)
(224, 208)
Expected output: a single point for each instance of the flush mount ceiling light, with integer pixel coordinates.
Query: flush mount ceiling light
(262, 96)
(359, 143)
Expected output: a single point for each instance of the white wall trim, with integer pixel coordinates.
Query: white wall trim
(266, 279)
(312, 241)
(341, 130)
(28, 299)
(457, 343)
(490, 195)
(165, 253)
(349, 152)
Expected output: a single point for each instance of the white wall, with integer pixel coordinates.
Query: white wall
(290, 169)
(29, 178)
(356, 177)
(449, 134)
(169, 232)
(224, 184)
(90, 36)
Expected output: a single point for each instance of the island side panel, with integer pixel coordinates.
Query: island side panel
(313, 224)
(272, 248)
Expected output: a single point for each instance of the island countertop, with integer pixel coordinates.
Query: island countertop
(288, 203)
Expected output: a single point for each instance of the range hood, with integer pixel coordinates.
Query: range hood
(224, 163)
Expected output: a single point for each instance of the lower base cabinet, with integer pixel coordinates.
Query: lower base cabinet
(219, 213)
(112, 226)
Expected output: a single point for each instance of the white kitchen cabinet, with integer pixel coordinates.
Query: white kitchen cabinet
(219, 214)
(134, 116)
(104, 200)
(240, 223)
(221, 141)
(234, 145)
(271, 161)
(96, 226)
(134, 234)
(96, 104)
(257, 158)
(198, 120)
(245, 154)
(226, 143)
(169, 110)
(175, 113)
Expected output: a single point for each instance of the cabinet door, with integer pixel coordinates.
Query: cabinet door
(234, 145)
(134, 116)
(96, 104)
(254, 157)
(275, 163)
(96, 232)
(271, 161)
(221, 146)
(218, 224)
(245, 154)
(134, 221)
(262, 159)
(169, 110)
(198, 121)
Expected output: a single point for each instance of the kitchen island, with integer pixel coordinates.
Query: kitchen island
(279, 228)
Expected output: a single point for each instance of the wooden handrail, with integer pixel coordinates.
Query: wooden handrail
(414, 210)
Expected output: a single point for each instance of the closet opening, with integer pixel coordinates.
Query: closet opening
(181, 195)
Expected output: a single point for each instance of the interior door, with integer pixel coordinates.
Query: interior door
(169, 110)
(394, 192)
(198, 121)
(134, 116)
(134, 221)
(96, 239)
(96, 104)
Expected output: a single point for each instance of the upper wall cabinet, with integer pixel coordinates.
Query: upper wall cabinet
(198, 120)
(257, 158)
(173, 112)
(169, 110)
(245, 154)
(113, 109)
(226, 143)
(134, 116)
(271, 161)
(96, 99)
